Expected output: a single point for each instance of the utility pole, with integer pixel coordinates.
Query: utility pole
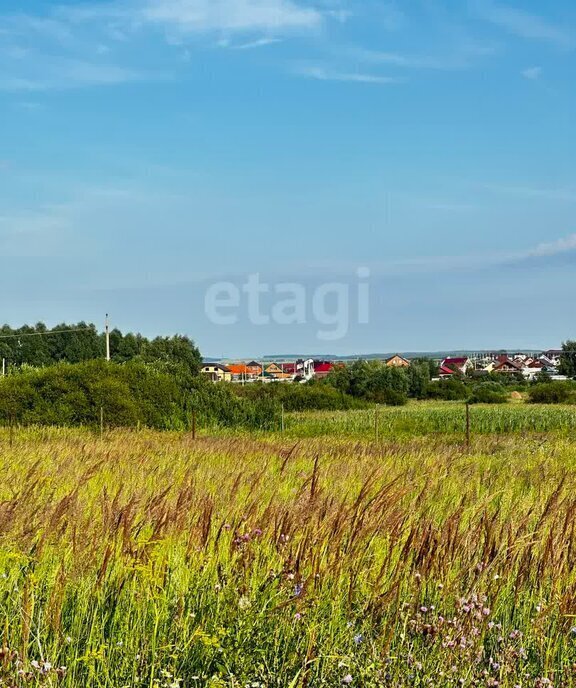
(3, 367)
(107, 331)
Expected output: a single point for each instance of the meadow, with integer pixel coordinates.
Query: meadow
(434, 418)
(316, 557)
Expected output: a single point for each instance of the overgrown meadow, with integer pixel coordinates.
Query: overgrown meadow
(152, 559)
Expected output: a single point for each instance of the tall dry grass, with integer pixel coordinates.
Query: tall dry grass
(147, 559)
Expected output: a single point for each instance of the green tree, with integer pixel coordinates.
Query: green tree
(418, 379)
(568, 359)
(177, 350)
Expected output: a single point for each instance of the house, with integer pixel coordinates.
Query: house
(532, 368)
(243, 373)
(398, 361)
(300, 371)
(549, 363)
(322, 369)
(554, 355)
(217, 372)
(255, 367)
(273, 370)
(508, 366)
(304, 369)
(277, 372)
(460, 364)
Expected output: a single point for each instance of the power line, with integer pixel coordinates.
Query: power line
(44, 334)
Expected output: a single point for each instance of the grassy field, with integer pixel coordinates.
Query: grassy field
(434, 418)
(150, 559)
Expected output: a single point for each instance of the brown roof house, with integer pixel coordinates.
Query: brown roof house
(398, 362)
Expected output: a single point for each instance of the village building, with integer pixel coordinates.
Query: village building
(398, 361)
(217, 372)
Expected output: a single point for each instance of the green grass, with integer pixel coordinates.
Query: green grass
(149, 559)
(434, 418)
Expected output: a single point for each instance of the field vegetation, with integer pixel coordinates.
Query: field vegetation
(150, 559)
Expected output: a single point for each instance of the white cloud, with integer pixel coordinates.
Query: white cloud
(250, 45)
(60, 73)
(523, 24)
(568, 195)
(69, 47)
(322, 74)
(532, 73)
(231, 15)
(477, 261)
(554, 248)
(34, 233)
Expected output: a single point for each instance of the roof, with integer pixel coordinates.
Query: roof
(446, 371)
(397, 356)
(240, 369)
(219, 366)
(455, 361)
(508, 362)
(273, 367)
(323, 367)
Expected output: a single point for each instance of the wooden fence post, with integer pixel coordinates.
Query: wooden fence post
(468, 429)
(193, 425)
(101, 422)
(376, 423)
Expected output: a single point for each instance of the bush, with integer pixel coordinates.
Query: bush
(392, 397)
(219, 405)
(300, 397)
(489, 393)
(553, 393)
(450, 389)
(73, 394)
(159, 396)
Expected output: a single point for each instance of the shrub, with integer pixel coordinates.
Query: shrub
(450, 389)
(392, 397)
(489, 393)
(73, 394)
(557, 392)
(219, 405)
(300, 397)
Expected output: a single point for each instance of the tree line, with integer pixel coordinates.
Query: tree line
(39, 346)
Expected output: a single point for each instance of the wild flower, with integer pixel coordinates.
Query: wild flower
(244, 603)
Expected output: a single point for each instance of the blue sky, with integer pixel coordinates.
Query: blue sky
(150, 148)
